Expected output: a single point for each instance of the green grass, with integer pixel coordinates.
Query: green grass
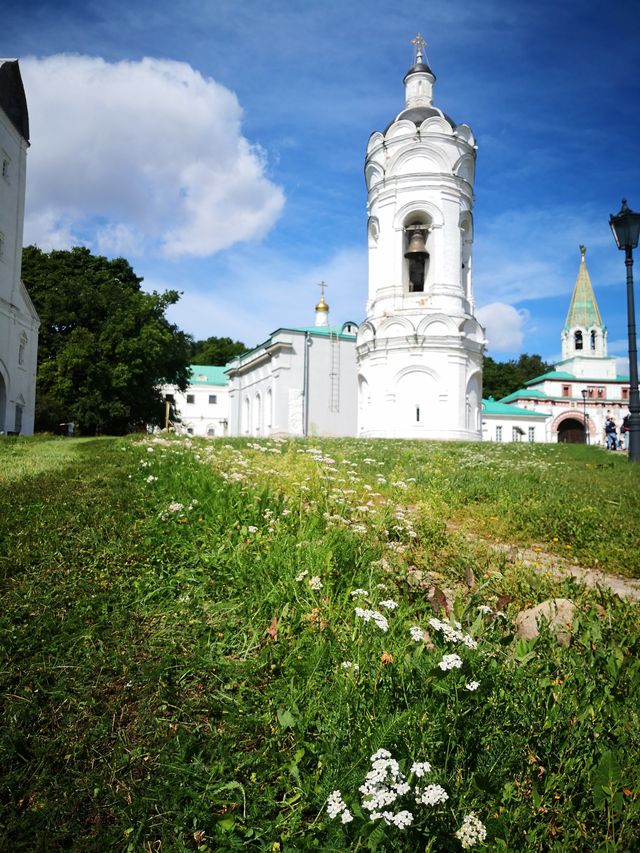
(172, 681)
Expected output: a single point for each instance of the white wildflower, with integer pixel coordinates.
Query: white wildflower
(356, 592)
(315, 582)
(347, 664)
(453, 634)
(403, 819)
(431, 795)
(485, 609)
(450, 662)
(175, 507)
(151, 478)
(471, 832)
(369, 615)
(346, 816)
(335, 804)
(417, 634)
(302, 575)
(472, 685)
(252, 528)
(389, 604)
(419, 768)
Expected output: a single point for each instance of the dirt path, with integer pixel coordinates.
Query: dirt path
(539, 560)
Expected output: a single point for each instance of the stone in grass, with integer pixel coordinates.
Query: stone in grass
(558, 612)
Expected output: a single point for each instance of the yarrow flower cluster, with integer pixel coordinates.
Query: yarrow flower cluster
(432, 795)
(450, 662)
(315, 582)
(389, 604)
(471, 832)
(472, 685)
(373, 616)
(356, 592)
(453, 634)
(417, 634)
(383, 784)
(347, 664)
(337, 806)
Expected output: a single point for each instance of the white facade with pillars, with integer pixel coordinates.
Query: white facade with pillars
(420, 348)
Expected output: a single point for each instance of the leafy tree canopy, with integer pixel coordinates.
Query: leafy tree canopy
(105, 345)
(500, 378)
(216, 351)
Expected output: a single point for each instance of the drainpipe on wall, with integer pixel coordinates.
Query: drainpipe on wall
(305, 386)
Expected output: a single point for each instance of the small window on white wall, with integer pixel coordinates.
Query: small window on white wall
(532, 434)
(213, 399)
(498, 433)
(191, 398)
(22, 349)
(5, 168)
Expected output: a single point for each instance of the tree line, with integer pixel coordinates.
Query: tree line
(106, 346)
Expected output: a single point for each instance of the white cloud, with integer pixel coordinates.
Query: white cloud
(504, 326)
(140, 157)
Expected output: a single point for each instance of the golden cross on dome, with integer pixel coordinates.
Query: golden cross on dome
(322, 285)
(419, 43)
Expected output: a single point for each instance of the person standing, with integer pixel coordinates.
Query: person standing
(611, 433)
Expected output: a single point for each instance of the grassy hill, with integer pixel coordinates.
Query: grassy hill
(203, 642)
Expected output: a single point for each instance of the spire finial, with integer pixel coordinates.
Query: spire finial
(322, 286)
(583, 251)
(419, 43)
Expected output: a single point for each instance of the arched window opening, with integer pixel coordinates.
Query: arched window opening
(577, 339)
(593, 339)
(416, 253)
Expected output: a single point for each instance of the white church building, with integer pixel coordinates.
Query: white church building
(19, 321)
(584, 389)
(420, 347)
(413, 367)
(298, 382)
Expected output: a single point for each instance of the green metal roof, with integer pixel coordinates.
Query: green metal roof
(208, 374)
(499, 407)
(323, 331)
(529, 393)
(552, 374)
(583, 310)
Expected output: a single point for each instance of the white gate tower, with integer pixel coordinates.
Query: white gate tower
(420, 348)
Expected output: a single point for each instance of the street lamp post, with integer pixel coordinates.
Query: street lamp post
(625, 226)
(585, 415)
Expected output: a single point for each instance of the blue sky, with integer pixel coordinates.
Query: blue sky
(219, 146)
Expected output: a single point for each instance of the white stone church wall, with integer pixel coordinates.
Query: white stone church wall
(18, 320)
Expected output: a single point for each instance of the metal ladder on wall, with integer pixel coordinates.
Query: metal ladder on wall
(334, 372)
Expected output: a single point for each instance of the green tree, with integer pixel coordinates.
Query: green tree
(105, 345)
(216, 351)
(500, 378)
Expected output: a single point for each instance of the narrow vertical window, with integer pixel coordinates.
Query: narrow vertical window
(417, 414)
(498, 433)
(532, 434)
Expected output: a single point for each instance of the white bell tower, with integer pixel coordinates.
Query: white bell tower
(420, 348)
